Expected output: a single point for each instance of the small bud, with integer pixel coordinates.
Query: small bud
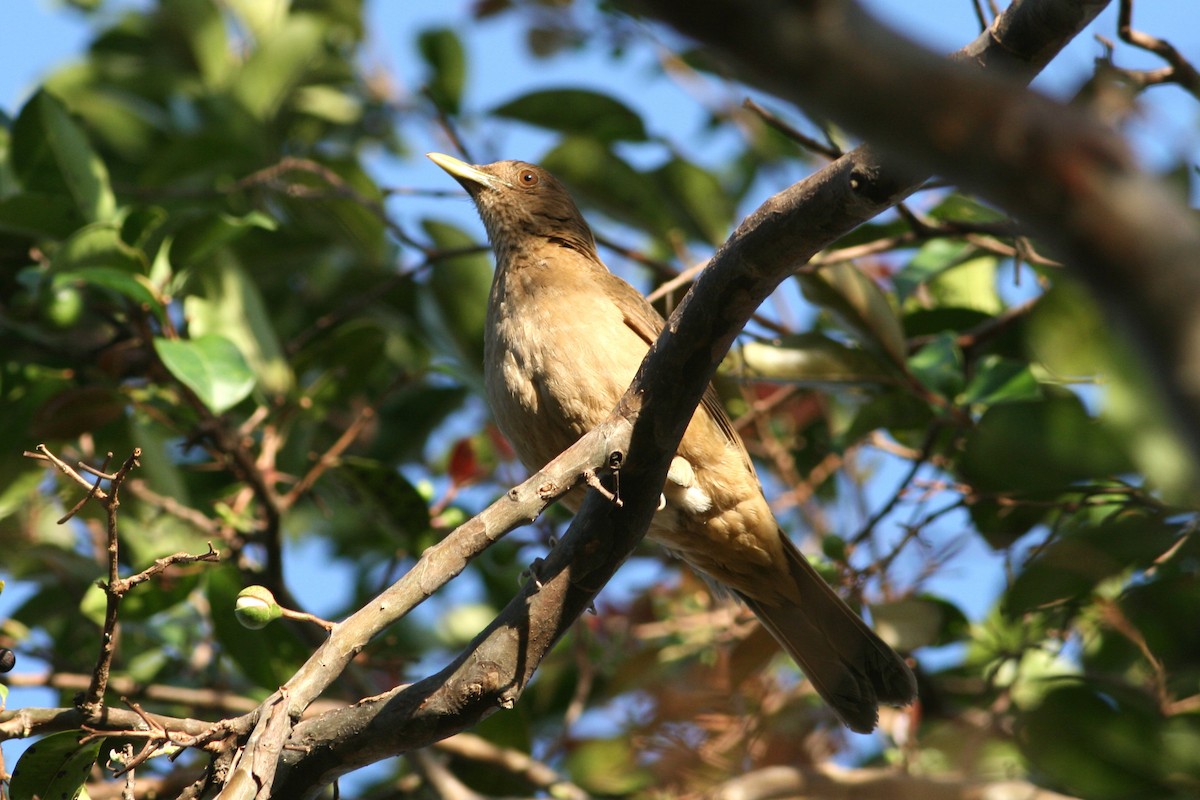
(8, 659)
(256, 607)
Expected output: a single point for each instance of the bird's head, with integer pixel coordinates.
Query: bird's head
(521, 203)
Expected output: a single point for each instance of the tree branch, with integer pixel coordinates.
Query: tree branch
(1071, 179)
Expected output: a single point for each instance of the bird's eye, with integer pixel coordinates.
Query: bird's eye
(528, 178)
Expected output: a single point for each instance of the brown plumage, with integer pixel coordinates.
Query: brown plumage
(564, 337)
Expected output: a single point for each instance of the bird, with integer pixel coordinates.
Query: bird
(563, 338)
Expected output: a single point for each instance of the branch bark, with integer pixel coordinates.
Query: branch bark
(782, 234)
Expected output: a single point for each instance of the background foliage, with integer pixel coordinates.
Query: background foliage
(199, 258)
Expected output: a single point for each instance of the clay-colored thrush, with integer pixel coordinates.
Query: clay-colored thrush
(564, 337)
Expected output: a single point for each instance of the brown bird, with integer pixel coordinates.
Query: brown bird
(564, 337)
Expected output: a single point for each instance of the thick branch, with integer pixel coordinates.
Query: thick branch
(1062, 172)
(786, 231)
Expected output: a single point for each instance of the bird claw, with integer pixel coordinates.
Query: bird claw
(531, 572)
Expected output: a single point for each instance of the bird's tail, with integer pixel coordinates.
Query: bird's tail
(847, 663)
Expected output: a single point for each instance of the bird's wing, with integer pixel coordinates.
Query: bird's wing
(644, 320)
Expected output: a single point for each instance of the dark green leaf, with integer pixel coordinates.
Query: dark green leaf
(1093, 744)
(700, 203)
(443, 53)
(459, 286)
(38, 214)
(1085, 554)
(577, 111)
(202, 238)
(132, 285)
(51, 155)
(55, 766)
(1040, 446)
(385, 490)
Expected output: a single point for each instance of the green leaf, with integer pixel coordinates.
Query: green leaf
(919, 621)
(51, 155)
(98, 245)
(606, 767)
(459, 286)
(230, 304)
(858, 304)
(1084, 555)
(443, 53)
(199, 240)
(933, 258)
(55, 766)
(201, 22)
(577, 111)
(970, 284)
(283, 58)
(958, 208)
(699, 201)
(390, 494)
(1114, 747)
(38, 214)
(811, 359)
(939, 365)
(1000, 380)
(1040, 446)
(134, 286)
(211, 366)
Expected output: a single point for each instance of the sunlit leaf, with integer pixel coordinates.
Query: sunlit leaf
(859, 304)
(283, 57)
(211, 366)
(229, 303)
(1000, 380)
(810, 359)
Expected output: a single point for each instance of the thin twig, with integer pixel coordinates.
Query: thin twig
(1181, 70)
(807, 142)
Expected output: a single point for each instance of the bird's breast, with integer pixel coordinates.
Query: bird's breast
(558, 357)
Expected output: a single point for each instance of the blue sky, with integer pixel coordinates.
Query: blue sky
(37, 35)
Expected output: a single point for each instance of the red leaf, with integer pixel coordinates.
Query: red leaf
(464, 466)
